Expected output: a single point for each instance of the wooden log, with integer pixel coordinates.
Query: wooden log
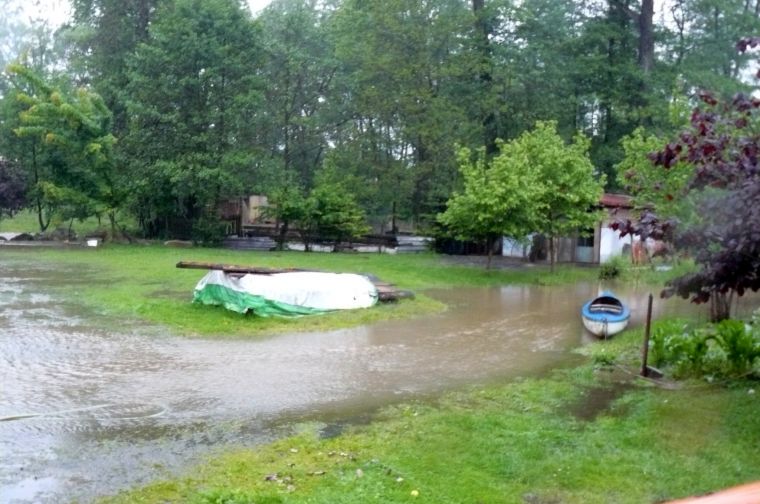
(234, 268)
(385, 292)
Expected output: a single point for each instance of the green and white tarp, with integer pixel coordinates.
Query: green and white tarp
(286, 294)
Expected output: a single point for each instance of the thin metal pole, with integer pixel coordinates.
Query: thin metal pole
(645, 348)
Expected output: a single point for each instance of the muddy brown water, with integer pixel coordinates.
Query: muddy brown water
(89, 405)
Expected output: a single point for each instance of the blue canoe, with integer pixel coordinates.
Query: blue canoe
(605, 315)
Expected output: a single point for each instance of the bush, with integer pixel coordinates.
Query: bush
(730, 348)
(612, 269)
(208, 231)
(739, 342)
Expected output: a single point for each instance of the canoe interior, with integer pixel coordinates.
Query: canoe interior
(606, 304)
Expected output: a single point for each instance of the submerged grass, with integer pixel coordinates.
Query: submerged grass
(520, 442)
(143, 282)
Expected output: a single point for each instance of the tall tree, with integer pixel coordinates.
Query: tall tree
(299, 67)
(34, 46)
(193, 89)
(484, 31)
(400, 57)
(75, 128)
(104, 34)
(722, 147)
(703, 43)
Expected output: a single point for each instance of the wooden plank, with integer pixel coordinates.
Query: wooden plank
(234, 268)
(385, 292)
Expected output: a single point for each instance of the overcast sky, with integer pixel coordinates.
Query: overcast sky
(57, 11)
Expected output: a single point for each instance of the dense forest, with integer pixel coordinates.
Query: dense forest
(156, 111)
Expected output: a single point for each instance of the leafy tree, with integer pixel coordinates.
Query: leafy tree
(75, 129)
(660, 190)
(569, 188)
(403, 60)
(32, 44)
(287, 206)
(103, 36)
(701, 47)
(299, 66)
(722, 146)
(193, 89)
(498, 199)
(332, 213)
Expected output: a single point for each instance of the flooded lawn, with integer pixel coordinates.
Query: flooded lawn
(91, 405)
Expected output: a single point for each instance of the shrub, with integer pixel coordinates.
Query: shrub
(612, 269)
(740, 344)
(208, 231)
(730, 348)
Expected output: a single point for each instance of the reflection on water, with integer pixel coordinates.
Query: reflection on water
(86, 409)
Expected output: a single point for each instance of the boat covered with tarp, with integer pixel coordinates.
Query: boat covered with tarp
(286, 294)
(605, 315)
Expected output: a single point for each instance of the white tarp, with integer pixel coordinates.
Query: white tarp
(285, 294)
(322, 291)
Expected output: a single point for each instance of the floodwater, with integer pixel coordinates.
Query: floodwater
(89, 406)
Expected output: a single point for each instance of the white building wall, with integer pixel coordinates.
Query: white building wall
(514, 248)
(611, 245)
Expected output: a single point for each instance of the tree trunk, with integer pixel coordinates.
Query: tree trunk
(489, 245)
(483, 34)
(720, 306)
(646, 36)
(112, 218)
(281, 235)
(551, 253)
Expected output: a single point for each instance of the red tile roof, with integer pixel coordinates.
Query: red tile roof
(611, 200)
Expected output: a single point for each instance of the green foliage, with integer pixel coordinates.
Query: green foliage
(569, 187)
(409, 76)
(535, 183)
(75, 174)
(740, 343)
(192, 86)
(332, 213)
(208, 231)
(613, 268)
(651, 186)
(729, 348)
(497, 199)
(235, 497)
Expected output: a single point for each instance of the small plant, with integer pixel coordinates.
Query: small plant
(209, 231)
(235, 497)
(739, 342)
(612, 269)
(658, 343)
(603, 360)
(730, 348)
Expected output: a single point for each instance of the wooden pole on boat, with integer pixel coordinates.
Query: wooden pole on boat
(645, 348)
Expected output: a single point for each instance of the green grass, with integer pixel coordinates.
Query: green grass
(26, 222)
(519, 442)
(142, 282)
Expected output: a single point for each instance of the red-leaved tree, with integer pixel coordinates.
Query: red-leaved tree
(722, 145)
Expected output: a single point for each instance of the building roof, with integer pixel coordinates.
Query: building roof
(611, 200)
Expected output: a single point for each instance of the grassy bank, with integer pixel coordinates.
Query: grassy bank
(593, 434)
(142, 282)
